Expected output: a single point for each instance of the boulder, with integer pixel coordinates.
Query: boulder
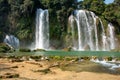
(4, 48)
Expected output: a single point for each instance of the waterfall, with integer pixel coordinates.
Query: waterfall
(71, 20)
(111, 36)
(42, 29)
(12, 41)
(91, 33)
(105, 45)
(95, 28)
(86, 25)
(79, 31)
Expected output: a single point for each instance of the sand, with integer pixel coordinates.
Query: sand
(29, 70)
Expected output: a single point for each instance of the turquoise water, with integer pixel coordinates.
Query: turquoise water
(65, 53)
(80, 53)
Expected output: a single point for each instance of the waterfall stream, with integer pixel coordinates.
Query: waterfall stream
(12, 41)
(42, 29)
(111, 36)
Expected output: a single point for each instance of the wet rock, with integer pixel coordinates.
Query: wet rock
(35, 63)
(25, 58)
(36, 58)
(15, 60)
(9, 75)
(57, 64)
(4, 48)
(45, 70)
(86, 47)
(9, 67)
(44, 58)
(68, 49)
(94, 57)
(14, 67)
(85, 58)
(24, 50)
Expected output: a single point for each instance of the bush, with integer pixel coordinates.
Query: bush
(24, 50)
(58, 57)
(35, 57)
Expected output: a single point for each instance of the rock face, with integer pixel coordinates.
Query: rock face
(12, 41)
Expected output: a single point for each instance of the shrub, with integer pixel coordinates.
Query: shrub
(35, 57)
(58, 57)
(24, 50)
(38, 50)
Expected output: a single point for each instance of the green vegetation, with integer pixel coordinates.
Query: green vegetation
(24, 50)
(39, 50)
(17, 17)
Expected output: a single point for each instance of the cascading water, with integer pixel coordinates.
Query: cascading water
(95, 28)
(42, 29)
(71, 20)
(12, 41)
(91, 32)
(86, 24)
(111, 36)
(105, 45)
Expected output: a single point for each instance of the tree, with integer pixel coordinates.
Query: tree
(59, 11)
(112, 14)
(96, 6)
(117, 2)
(4, 10)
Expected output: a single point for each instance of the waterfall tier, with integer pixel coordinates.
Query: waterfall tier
(111, 36)
(91, 33)
(42, 29)
(12, 41)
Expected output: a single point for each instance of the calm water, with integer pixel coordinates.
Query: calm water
(64, 53)
(80, 53)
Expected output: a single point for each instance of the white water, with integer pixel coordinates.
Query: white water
(95, 28)
(109, 64)
(91, 32)
(86, 24)
(79, 31)
(12, 41)
(71, 20)
(42, 29)
(105, 45)
(111, 36)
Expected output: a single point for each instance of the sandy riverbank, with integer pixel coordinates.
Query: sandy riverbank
(50, 70)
